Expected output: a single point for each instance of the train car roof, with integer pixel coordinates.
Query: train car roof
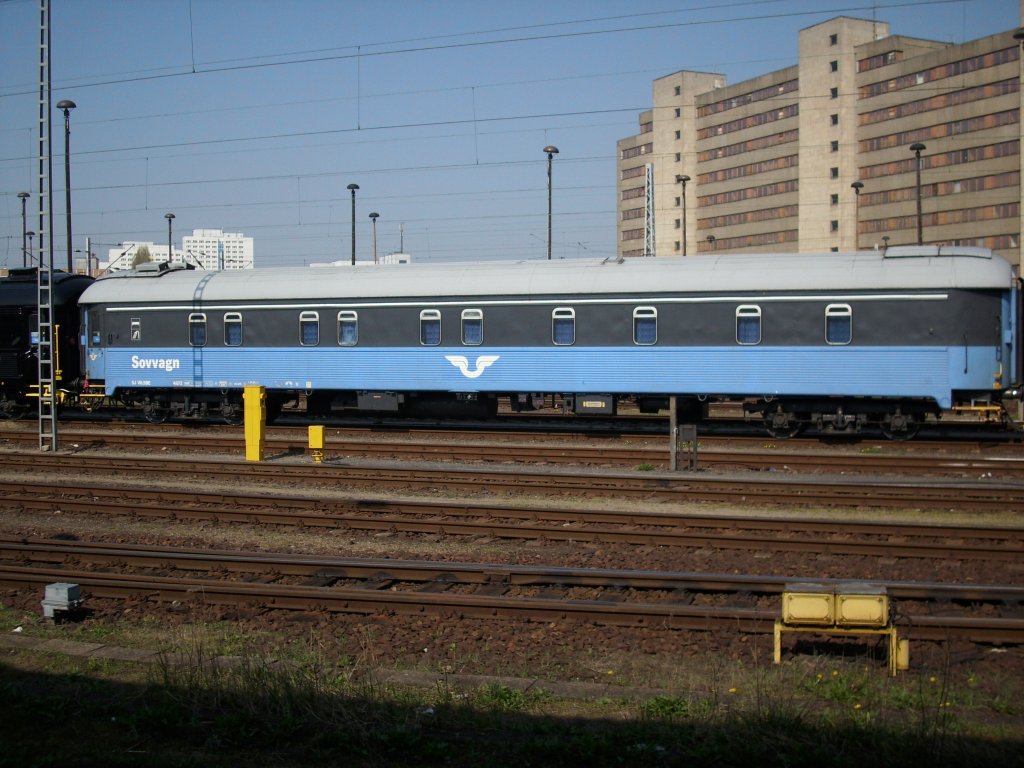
(20, 287)
(903, 268)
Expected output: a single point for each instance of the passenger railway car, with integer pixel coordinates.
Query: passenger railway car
(839, 340)
(19, 336)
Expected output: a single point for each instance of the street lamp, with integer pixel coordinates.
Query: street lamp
(917, 149)
(28, 253)
(682, 180)
(23, 196)
(352, 188)
(373, 217)
(857, 187)
(67, 105)
(552, 151)
(170, 250)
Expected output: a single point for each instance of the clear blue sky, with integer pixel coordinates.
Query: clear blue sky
(254, 116)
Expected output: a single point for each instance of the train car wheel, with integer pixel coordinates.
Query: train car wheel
(9, 409)
(782, 425)
(155, 413)
(232, 413)
(899, 426)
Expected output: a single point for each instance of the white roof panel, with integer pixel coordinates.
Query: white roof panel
(905, 268)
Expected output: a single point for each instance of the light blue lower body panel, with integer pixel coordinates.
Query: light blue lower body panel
(909, 372)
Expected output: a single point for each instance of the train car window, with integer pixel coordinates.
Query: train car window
(645, 326)
(197, 329)
(430, 327)
(348, 328)
(233, 329)
(748, 324)
(309, 329)
(838, 324)
(136, 329)
(472, 326)
(563, 326)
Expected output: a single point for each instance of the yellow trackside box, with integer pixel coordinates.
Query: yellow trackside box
(316, 443)
(809, 604)
(862, 605)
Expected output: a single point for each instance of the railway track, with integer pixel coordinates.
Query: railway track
(763, 455)
(469, 518)
(989, 614)
(750, 488)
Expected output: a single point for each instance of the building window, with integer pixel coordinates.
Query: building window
(309, 329)
(834, 146)
(233, 329)
(679, 90)
(834, 199)
(679, 157)
(197, 329)
(645, 326)
(833, 39)
(430, 327)
(834, 119)
(833, 93)
(748, 324)
(833, 66)
(838, 324)
(834, 225)
(348, 328)
(563, 326)
(472, 326)
(679, 134)
(679, 112)
(678, 224)
(834, 172)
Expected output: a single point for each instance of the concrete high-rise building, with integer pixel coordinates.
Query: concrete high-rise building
(770, 164)
(215, 250)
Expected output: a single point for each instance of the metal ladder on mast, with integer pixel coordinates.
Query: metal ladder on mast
(47, 374)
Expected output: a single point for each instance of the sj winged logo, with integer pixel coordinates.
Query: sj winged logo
(462, 363)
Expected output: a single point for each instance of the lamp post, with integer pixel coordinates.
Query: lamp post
(67, 105)
(552, 151)
(373, 218)
(857, 187)
(917, 148)
(352, 188)
(170, 250)
(682, 180)
(28, 253)
(23, 196)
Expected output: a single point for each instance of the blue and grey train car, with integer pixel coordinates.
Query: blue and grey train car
(837, 339)
(19, 336)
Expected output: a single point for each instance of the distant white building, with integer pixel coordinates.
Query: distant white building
(209, 249)
(216, 250)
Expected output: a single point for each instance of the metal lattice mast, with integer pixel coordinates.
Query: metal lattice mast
(649, 211)
(47, 339)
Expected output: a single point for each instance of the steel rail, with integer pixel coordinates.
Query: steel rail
(433, 517)
(427, 448)
(845, 492)
(438, 581)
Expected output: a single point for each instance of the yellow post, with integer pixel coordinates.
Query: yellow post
(255, 399)
(316, 443)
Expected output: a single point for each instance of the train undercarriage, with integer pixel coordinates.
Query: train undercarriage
(897, 419)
